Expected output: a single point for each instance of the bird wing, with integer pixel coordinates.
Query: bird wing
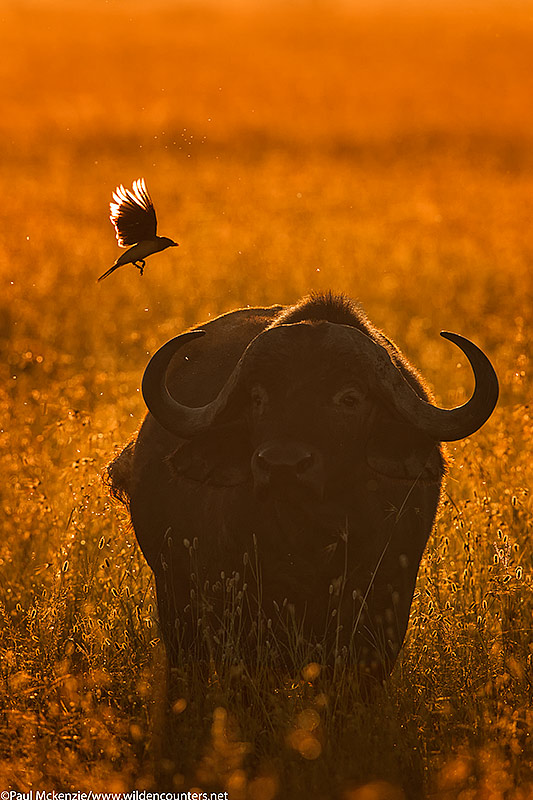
(133, 214)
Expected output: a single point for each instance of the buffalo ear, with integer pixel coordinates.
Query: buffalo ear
(398, 450)
(219, 457)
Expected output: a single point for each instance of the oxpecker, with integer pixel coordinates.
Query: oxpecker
(133, 215)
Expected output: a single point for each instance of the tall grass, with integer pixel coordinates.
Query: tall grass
(384, 151)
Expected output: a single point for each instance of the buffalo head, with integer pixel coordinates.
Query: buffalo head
(310, 394)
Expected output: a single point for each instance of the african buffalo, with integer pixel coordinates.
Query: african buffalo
(285, 482)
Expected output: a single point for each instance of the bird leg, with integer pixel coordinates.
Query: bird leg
(140, 265)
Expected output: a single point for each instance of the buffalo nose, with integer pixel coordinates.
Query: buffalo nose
(280, 467)
(293, 458)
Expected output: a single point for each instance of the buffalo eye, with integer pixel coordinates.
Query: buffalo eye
(259, 398)
(349, 399)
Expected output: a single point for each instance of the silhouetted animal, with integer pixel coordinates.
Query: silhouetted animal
(299, 448)
(133, 215)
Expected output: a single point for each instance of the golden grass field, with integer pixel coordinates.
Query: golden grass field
(382, 149)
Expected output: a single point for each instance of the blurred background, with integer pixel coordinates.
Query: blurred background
(383, 149)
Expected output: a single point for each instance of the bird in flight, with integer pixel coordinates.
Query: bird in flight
(133, 215)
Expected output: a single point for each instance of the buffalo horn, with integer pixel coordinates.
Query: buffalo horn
(440, 424)
(176, 418)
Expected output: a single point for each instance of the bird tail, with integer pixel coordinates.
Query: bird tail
(108, 272)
